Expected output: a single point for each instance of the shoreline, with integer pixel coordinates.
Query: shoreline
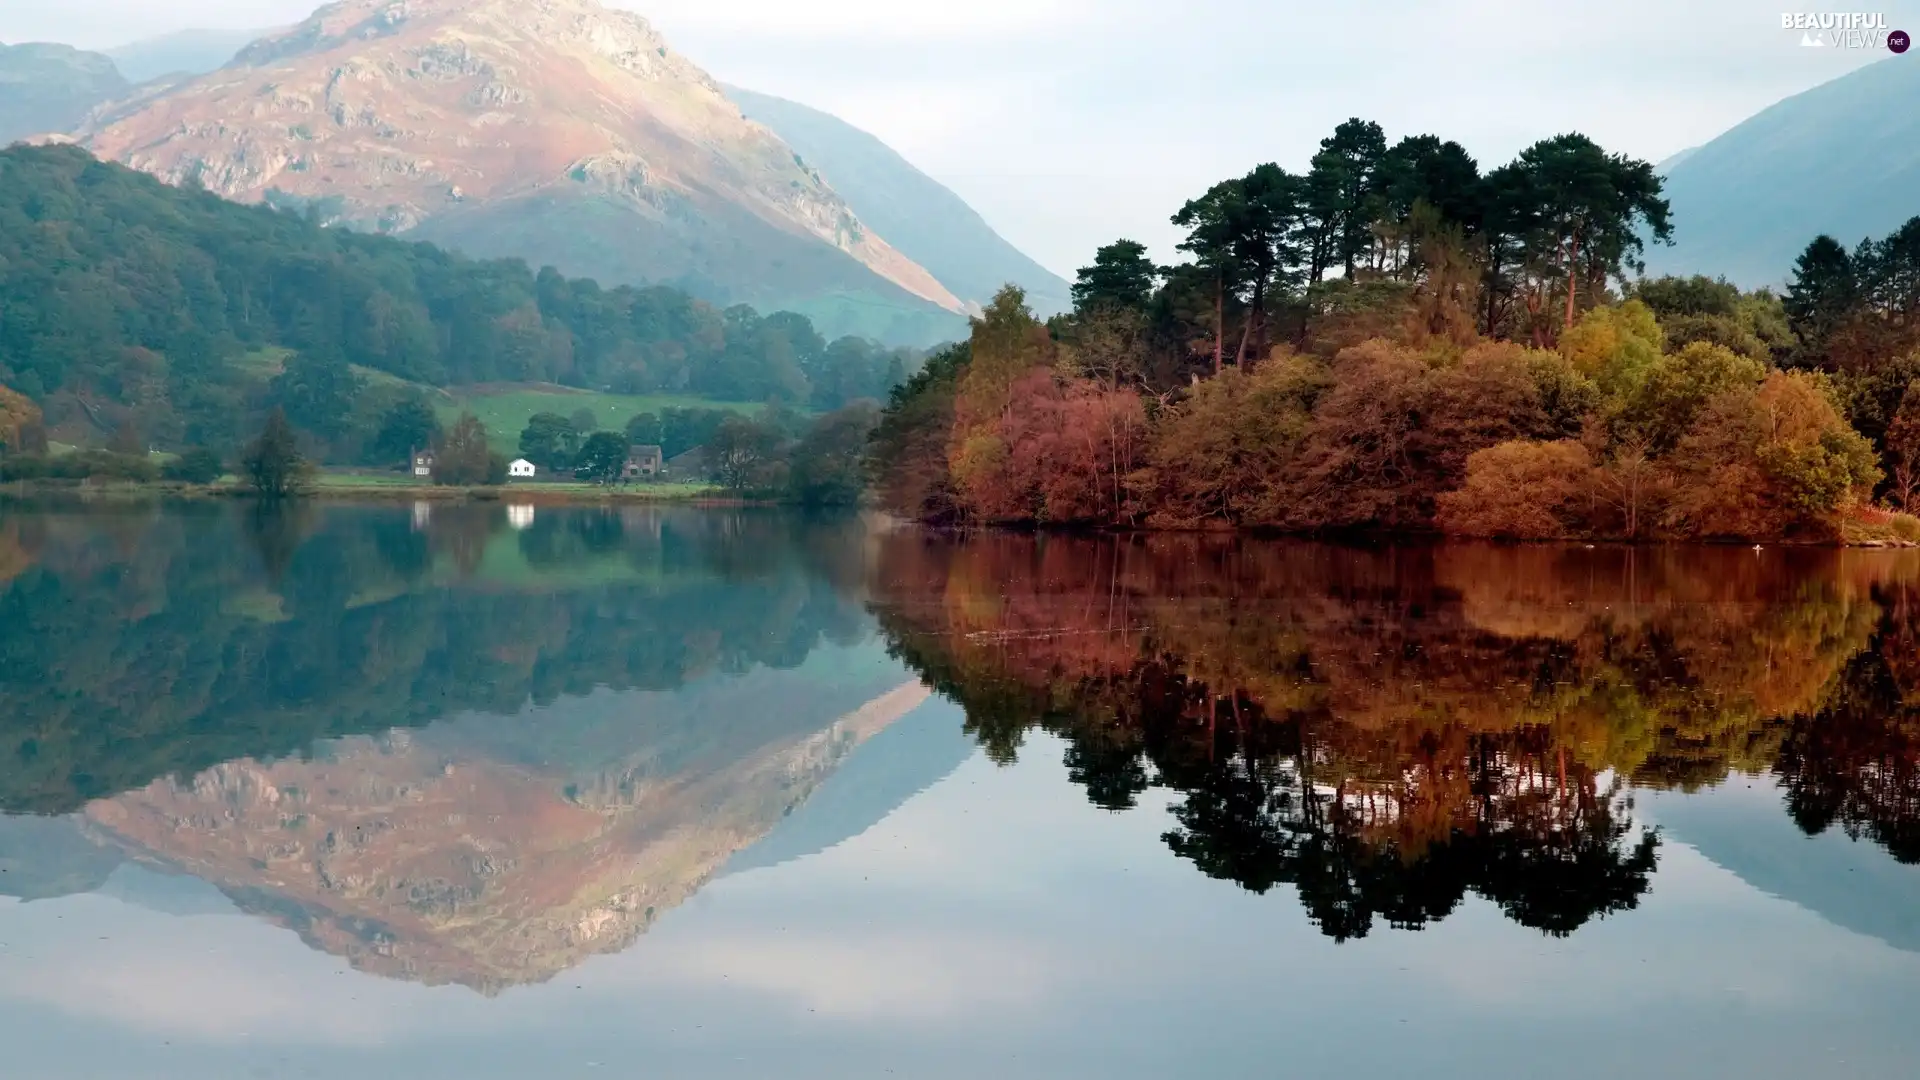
(135, 491)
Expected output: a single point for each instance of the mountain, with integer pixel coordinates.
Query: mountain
(925, 220)
(1842, 158)
(553, 130)
(50, 88)
(187, 52)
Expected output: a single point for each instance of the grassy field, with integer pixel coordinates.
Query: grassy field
(506, 409)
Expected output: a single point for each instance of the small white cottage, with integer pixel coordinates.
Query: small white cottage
(521, 470)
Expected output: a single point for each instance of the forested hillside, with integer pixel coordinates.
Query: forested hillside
(126, 303)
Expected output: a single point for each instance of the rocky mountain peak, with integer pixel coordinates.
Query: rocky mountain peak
(492, 119)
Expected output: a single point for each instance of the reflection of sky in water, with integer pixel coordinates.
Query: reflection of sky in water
(997, 924)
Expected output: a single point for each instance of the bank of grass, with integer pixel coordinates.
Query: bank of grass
(400, 485)
(1873, 526)
(506, 408)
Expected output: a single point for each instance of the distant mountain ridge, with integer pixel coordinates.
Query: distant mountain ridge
(1842, 158)
(916, 213)
(184, 52)
(50, 88)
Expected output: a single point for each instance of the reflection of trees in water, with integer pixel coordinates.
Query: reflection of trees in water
(135, 645)
(1855, 763)
(1387, 731)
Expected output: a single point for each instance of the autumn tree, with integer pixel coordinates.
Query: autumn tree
(18, 414)
(1522, 491)
(1228, 451)
(1902, 451)
(744, 455)
(462, 459)
(1007, 343)
(1771, 460)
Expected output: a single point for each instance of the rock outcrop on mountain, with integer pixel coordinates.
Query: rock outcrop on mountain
(48, 89)
(554, 130)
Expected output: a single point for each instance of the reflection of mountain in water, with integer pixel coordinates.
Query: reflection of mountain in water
(1847, 882)
(416, 857)
(921, 749)
(451, 754)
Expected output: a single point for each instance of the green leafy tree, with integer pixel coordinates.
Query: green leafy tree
(603, 457)
(550, 441)
(828, 466)
(584, 421)
(274, 467)
(1214, 224)
(1121, 276)
(1824, 293)
(1342, 197)
(1589, 211)
(409, 426)
(646, 429)
(317, 394)
(198, 465)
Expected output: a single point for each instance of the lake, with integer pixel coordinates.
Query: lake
(488, 791)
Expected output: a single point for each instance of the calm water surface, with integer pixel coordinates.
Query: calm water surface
(505, 791)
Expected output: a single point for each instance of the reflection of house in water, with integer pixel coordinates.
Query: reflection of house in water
(422, 515)
(520, 517)
(641, 521)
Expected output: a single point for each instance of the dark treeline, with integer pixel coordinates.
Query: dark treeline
(1396, 340)
(1388, 731)
(179, 318)
(140, 645)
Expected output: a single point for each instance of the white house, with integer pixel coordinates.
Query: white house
(521, 470)
(423, 463)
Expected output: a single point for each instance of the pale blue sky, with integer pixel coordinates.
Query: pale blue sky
(1070, 122)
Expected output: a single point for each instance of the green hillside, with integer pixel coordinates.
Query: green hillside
(125, 303)
(917, 214)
